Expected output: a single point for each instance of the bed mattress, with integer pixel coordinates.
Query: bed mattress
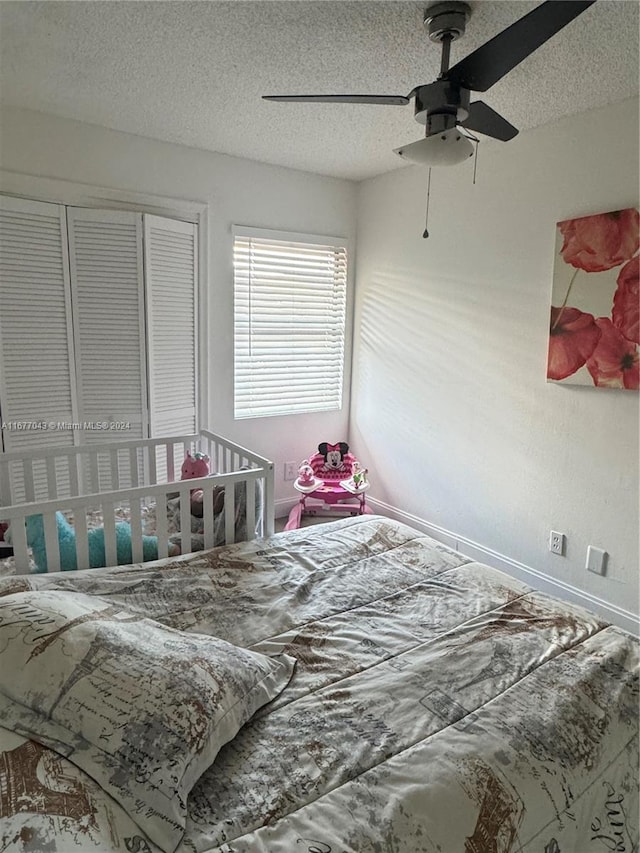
(437, 705)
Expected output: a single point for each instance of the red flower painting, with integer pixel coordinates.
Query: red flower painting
(626, 301)
(573, 337)
(594, 333)
(601, 242)
(615, 362)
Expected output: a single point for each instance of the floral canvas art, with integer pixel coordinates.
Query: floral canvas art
(594, 333)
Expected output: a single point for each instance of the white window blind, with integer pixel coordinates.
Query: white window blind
(290, 301)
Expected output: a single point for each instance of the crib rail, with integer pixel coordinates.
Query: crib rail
(102, 478)
(108, 503)
(57, 472)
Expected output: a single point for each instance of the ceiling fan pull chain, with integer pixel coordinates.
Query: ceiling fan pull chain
(475, 161)
(425, 233)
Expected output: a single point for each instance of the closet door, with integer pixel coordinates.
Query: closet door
(37, 378)
(171, 272)
(106, 264)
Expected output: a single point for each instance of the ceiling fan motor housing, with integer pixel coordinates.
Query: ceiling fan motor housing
(441, 99)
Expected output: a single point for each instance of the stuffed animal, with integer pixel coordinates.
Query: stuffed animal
(195, 465)
(97, 556)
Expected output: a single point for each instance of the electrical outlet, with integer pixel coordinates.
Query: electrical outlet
(596, 560)
(556, 542)
(290, 470)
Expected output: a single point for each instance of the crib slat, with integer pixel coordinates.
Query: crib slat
(161, 526)
(19, 543)
(95, 472)
(52, 485)
(82, 538)
(74, 473)
(145, 464)
(268, 501)
(170, 463)
(250, 518)
(229, 513)
(109, 521)
(135, 520)
(185, 520)
(208, 516)
(115, 471)
(133, 467)
(51, 541)
(182, 450)
(29, 489)
(153, 472)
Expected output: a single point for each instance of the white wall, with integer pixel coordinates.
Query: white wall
(238, 192)
(451, 410)
(450, 407)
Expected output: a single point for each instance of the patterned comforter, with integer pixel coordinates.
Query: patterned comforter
(437, 705)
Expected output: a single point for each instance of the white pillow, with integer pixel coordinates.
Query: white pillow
(142, 708)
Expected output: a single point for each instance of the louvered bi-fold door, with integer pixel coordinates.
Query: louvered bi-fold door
(171, 272)
(106, 262)
(37, 377)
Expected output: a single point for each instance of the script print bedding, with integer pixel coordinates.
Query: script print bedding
(436, 705)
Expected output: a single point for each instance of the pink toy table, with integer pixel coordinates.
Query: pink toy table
(334, 497)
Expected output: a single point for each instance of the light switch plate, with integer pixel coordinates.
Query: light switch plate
(596, 560)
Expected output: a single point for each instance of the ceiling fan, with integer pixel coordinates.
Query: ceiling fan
(445, 106)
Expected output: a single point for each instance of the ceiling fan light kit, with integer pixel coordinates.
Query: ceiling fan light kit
(441, 149)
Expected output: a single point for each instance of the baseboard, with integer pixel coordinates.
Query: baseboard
(539, 580)
(283, 507)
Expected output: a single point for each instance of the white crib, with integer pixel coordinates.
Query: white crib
(103, 478)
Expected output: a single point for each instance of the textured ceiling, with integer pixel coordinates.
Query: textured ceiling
(193, 72)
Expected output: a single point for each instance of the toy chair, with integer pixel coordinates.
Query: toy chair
(334, 478)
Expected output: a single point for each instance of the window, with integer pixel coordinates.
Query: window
(290, 299)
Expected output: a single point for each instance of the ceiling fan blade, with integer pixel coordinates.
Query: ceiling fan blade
(485, 120)
(489, 63)
(399, 100)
